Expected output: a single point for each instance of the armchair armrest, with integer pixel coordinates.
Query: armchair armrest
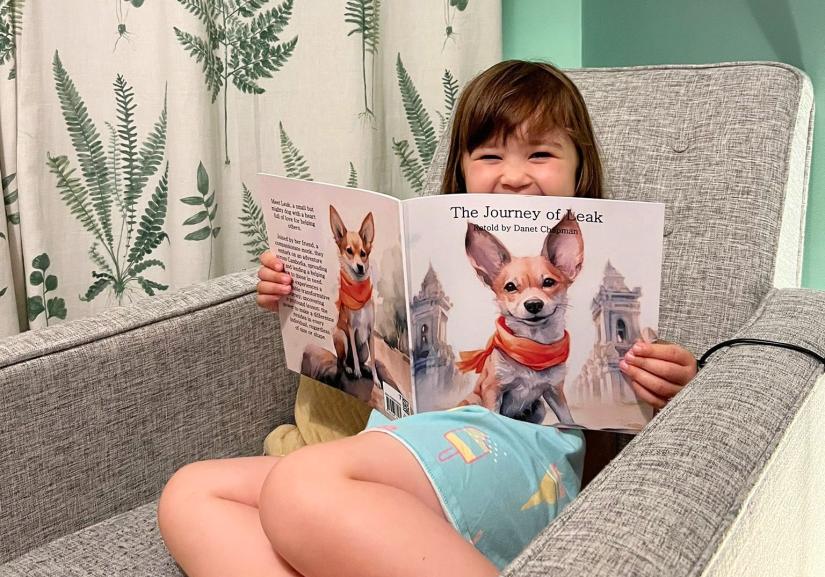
(673, 501)
(98, 413)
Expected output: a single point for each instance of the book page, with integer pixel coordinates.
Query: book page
(345, 323)
(528, 271)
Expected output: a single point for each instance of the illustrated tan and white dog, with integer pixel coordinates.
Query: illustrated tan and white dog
(353, 335)
(524, 360)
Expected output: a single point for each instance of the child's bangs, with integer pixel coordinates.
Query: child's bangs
(499, 118)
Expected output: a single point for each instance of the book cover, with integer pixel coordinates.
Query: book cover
(524, 305)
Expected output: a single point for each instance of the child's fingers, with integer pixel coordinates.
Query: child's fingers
(273, 288)
(664, 369)
(272, 276)
(268, 302)
(648, 397)
(664, 351)
(670, 353)
(269, 260)
(654, 384)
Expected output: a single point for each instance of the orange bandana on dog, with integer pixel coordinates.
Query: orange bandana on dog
(529, 353)
(354, 295)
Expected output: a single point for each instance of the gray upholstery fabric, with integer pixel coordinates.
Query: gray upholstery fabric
(128, 544)
(98, 413)
(715, 143)
(780, 527)
(788, 269)
(664, 504)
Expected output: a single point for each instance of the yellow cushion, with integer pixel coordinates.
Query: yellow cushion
(321, 414)
(283, 440)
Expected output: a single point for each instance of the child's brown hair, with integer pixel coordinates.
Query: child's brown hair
(499, 100)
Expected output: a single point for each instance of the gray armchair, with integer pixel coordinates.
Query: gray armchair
(97, 414)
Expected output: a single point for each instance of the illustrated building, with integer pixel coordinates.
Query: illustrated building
(433, 359)
(429, 320)
(615, 310)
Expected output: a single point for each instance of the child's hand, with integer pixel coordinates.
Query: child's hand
(274, 284)
(657, 371)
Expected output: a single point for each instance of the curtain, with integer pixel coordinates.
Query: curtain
(131, 131)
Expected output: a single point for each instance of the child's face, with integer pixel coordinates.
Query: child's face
(537, 164)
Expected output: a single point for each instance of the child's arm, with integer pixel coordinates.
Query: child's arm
(658, 370)
(274, 284)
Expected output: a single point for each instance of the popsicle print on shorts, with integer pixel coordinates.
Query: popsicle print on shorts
(468, 443)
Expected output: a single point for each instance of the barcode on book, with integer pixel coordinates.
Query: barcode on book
(395, 404)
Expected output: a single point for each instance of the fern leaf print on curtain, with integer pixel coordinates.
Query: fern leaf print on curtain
(414, 162)
(450, 87)
(450, 7)
(108, 108)
(242, 44)
(294, 162)
(12, 217)
(352, 180)
(253, 226)
(9, 198)
(122, 13)
(111, 188)
(365, 16)
(54, 306)
(11, 23)
(207, 213)
(251, 219)
(296, 166)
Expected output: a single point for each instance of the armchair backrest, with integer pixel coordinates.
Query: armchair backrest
(727, 148)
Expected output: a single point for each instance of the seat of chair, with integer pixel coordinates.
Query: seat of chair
(127, 544)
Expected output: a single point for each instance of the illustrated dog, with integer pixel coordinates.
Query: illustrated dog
(353, 335)
(524, 361)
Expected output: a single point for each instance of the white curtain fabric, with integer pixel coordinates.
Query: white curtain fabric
(131, 131)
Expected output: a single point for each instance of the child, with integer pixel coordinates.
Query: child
(401, 498)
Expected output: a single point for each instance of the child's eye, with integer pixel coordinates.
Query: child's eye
(541, 155)
(548, 282)
(349, 251)
(510, 287)
(490, 157)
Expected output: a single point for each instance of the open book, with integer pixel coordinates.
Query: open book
(524, 305)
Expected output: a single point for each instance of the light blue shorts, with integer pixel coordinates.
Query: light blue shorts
(500, 481)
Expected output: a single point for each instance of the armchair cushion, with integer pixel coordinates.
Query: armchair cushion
(130, 543)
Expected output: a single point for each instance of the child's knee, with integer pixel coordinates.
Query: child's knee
(177, 495)
(297, 494)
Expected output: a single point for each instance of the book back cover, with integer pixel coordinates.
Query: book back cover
(345, 323)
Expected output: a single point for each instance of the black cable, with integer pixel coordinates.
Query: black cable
(701, 362)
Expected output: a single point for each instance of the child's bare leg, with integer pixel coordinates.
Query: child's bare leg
(209, 519)
(362, 506)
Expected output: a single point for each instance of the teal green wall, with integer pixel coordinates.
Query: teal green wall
(543, 30)
(667, 31)
(634, 32)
